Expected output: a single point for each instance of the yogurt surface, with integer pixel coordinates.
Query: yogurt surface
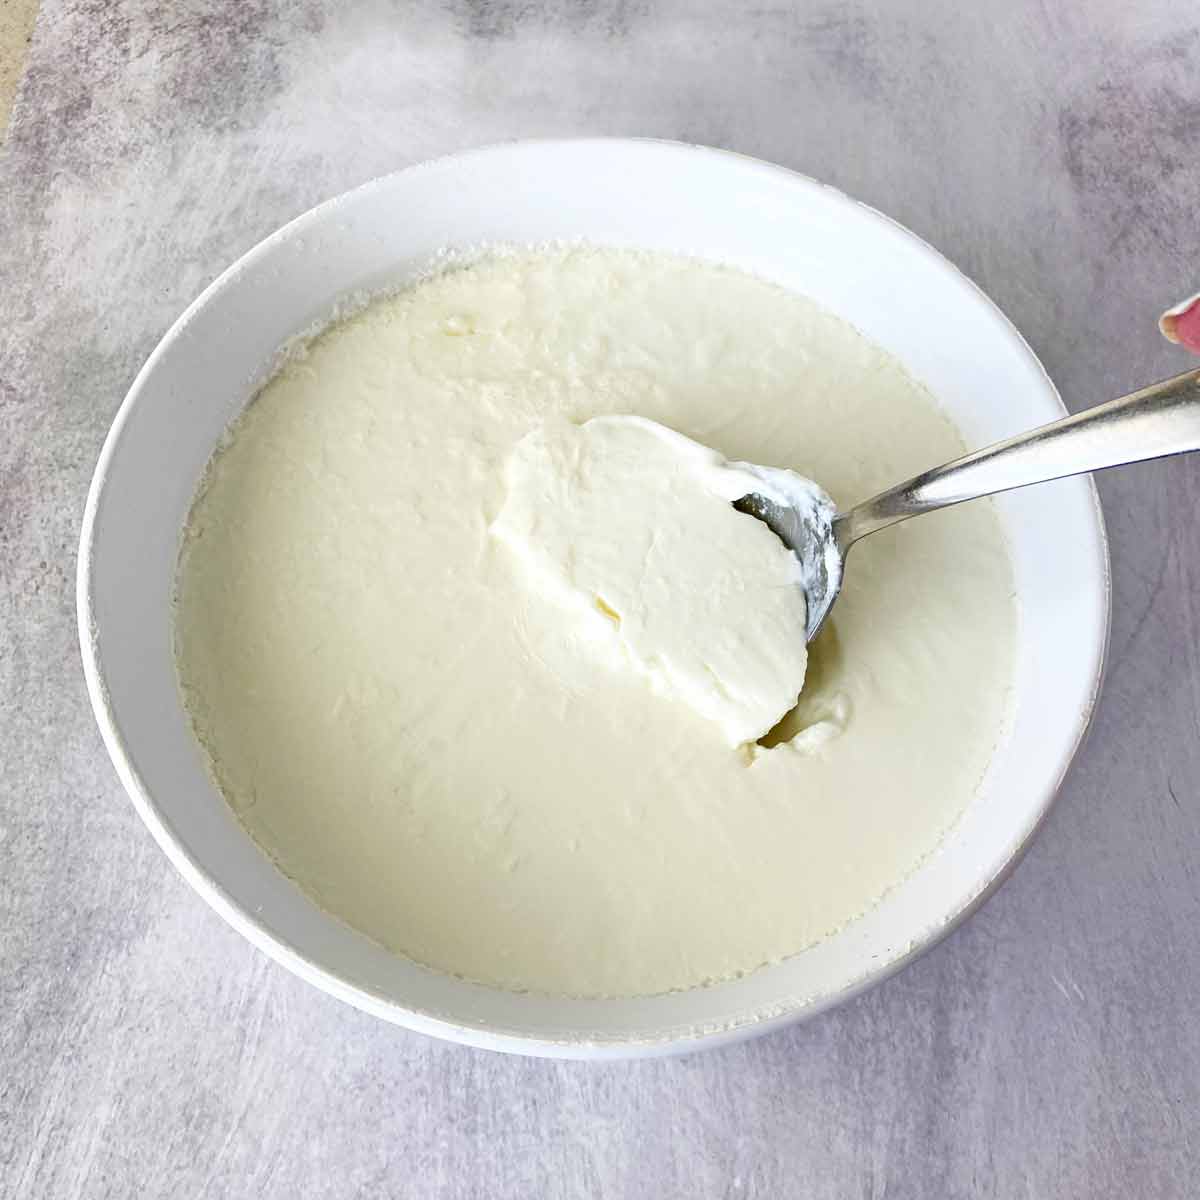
(450, 758)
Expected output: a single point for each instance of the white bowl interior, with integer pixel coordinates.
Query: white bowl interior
(648, 194)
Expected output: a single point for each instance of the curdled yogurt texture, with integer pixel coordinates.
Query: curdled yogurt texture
(414, 703)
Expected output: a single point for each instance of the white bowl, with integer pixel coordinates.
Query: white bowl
(665, 196)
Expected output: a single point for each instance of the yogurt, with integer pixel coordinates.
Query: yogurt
(534, 752)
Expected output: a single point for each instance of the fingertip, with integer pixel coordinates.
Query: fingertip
(1181, 324)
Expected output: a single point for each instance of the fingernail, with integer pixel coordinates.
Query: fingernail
(1181, 324)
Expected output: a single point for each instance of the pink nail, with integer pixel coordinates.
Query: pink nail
(1182, 324)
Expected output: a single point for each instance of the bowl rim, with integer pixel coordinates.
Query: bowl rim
(481, 1033)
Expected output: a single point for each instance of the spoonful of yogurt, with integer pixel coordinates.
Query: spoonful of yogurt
(647, 536)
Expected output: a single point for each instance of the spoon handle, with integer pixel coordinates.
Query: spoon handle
(1155, 421)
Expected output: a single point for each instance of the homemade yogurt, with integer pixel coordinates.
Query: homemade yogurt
(396, 697)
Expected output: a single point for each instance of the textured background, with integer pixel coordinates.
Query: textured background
(16, 25)
(1048, 1049)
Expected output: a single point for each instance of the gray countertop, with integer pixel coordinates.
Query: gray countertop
(1050, 1048)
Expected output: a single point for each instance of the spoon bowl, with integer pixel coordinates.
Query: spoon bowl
(805, 519)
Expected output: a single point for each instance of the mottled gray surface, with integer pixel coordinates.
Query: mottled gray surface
(1048, 1049)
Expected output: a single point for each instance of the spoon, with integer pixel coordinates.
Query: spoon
(1158, 420)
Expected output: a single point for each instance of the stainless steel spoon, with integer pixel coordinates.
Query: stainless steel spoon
(1158, 420)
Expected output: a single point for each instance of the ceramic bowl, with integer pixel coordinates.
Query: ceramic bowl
(654, 195)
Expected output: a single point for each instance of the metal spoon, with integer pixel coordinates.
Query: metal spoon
(1158, 420)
